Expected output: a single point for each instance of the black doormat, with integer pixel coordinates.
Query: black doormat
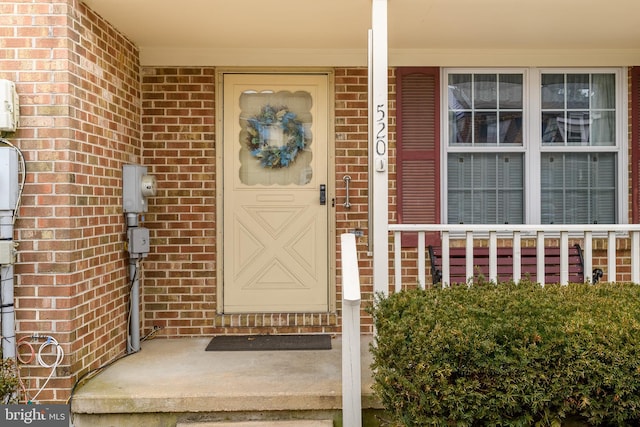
(269, 342)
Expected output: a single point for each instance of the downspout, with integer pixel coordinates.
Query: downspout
(7, 284)
(9, 205)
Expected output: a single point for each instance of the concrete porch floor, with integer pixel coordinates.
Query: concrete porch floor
(174, 382)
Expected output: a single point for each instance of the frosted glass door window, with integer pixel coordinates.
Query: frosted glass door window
(276, 138)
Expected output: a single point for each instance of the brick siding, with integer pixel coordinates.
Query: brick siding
(79, 88)
(179, 286)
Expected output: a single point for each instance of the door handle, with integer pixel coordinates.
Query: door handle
(323, 194)
(347, 180)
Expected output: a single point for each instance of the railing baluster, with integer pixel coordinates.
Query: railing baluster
(587, 255)
(421, 260)
(493, 257)
(541, 232)
(517, 256)
(446, 278)
(564, 258)
(469, 257)
(540, 257)
(611, 257)
(397, 259)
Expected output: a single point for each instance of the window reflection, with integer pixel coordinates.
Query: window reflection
(578, 109)
(485, 109)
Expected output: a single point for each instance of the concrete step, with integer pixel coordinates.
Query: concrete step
(295, 423)
(227, 386)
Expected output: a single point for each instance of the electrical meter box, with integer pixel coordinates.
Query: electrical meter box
(9, 106)
(9, 188)
(136, 187)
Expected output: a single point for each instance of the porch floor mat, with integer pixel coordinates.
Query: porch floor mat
(269, 342)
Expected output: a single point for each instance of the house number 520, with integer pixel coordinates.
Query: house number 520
(381, 127)
(380, 162)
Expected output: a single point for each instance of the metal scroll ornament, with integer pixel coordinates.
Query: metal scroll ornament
(275, 137)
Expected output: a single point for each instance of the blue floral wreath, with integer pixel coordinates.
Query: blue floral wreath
(258, 139)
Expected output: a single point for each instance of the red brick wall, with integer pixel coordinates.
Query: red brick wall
(78, 82)
(178, 128)
(351, 111)
(104, 74)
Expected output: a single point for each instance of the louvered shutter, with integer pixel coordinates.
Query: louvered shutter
(418, 148)
(635, 144)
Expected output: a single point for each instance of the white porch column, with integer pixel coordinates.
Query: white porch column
(378, 146)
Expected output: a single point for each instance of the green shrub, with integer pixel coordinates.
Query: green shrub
(8, 381)
(509, 355)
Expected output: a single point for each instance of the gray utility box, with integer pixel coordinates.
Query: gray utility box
(9, 188)
(7, 252)
(138, 240)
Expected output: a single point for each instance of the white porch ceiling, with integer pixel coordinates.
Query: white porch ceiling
(421, 32)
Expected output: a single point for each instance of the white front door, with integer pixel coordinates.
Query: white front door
(275, 221)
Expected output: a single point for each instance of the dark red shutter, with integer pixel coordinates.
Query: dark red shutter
(635, 144)
(418, 148)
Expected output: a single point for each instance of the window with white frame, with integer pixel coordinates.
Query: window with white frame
(534, 146)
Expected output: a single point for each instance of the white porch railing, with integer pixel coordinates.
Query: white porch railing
(351, 381)
(585, 234)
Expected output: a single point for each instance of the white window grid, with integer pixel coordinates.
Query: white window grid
(532, 146)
